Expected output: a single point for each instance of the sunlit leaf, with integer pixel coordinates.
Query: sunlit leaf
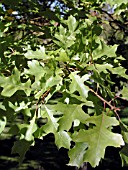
(104, 50)
(120, 71)
(52, 81)
(78, 85)
(61, 65)
(72, 23)
(35, 69)
(38, 54)
(62, 56)
(13, 83)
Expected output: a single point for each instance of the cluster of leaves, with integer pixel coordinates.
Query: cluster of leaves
(61, 85)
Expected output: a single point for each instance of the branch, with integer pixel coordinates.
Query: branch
(115, 109)
(117, 22)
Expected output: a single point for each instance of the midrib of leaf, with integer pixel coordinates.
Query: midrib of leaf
(100, 132)
(60, 136)
(81, 86)
(73, 113)
(32, 123)
(50, 117)
(77, 156)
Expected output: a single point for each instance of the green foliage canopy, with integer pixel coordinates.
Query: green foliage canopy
(57, 66)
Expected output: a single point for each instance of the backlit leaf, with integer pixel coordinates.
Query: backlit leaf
(124, 93)
(31, 128)
(3, 122)
(70, 113)
(98, 138)
(124, 155)
(118, 2)
(62, 139)
(51, 126)
(76, 154)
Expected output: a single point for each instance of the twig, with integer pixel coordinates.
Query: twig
(114, 108)
(44, 95)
